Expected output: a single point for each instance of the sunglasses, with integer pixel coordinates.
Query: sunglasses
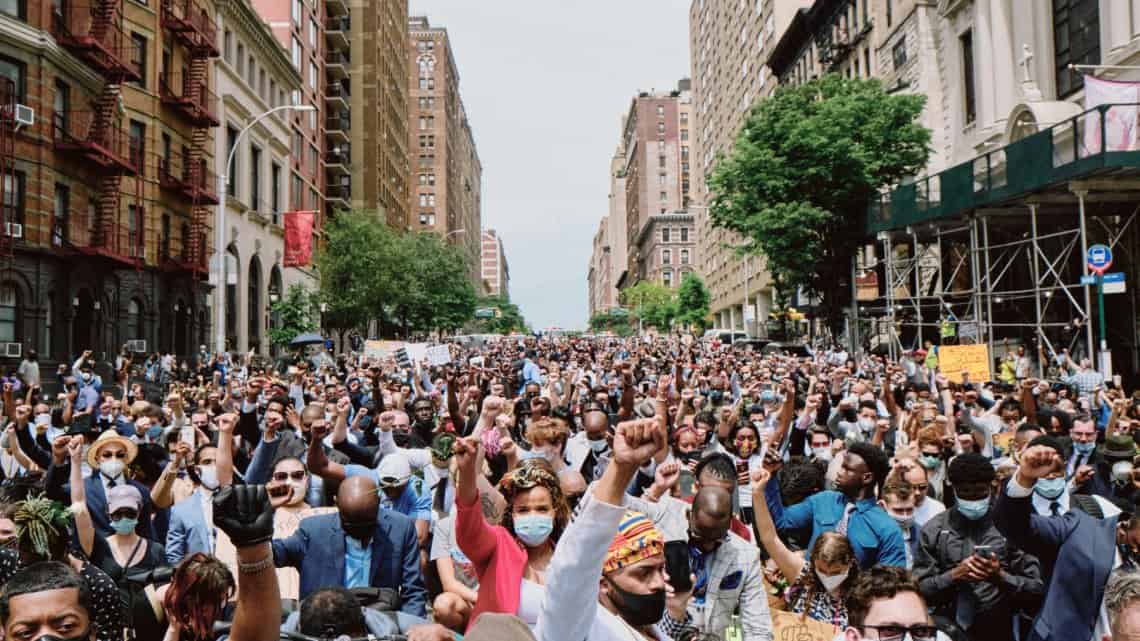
(281, 477)
(920, 632)
(108, 455)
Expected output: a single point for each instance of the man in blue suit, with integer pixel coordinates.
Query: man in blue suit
(1084, 551)
(359, 546)
(191, 530)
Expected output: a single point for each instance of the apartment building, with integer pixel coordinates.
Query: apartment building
(496, 275)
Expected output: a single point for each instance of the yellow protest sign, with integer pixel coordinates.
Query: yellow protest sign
(975, 359)
(787, 626)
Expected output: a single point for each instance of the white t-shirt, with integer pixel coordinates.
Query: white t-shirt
(930, 508)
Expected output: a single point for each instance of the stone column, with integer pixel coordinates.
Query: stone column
(1002, 65)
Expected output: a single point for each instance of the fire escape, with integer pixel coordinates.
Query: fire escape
(9, 212)
(95, 136)
(188, 94)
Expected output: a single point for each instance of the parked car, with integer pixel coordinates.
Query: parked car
(798, 350)
(725, 336)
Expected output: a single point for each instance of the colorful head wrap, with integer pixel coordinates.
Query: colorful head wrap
(637, 539)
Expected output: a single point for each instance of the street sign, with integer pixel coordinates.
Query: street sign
(1114, 277)
(1099, 258)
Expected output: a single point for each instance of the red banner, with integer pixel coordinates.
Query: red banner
(298, 238)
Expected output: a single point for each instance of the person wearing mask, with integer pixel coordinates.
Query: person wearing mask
(932, 457)
(816, 584)
(727, 576)
(191, 519)
(1083, 551)
(588, 450)
(359, 545)
(1052, 495)
(287, 488)
(965, 568)
(1081, 464)
(926, 507)
(294, 440)
(850, 509)
(714, 470)
(886, 603)
(897, 498)
(1111, 476)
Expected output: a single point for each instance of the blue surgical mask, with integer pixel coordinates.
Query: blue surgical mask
(154, 431)
(930, 461)
(1050, 488)
(1084, 448)
(124, 526)
(974, 510)
(533, 529)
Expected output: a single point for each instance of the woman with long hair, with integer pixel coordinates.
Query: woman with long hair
(816, 589)
(510, 558)
(196, 598)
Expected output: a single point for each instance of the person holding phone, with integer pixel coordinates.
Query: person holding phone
(966, 570)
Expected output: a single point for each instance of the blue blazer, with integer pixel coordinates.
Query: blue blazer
(1083, 550)
(187, 532)
(317, 551)
(57, 490)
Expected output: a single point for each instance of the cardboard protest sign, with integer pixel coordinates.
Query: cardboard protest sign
(975, 359)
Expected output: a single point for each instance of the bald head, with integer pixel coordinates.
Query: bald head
(711, 517)
(357, 500)
(713, 503)
(572, 483)
(596, 424)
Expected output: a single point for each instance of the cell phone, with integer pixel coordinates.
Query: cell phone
(986, 551)
(677, 565)
(186, 435)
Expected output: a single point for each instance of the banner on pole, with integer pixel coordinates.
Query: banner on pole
(974, 359)
(298, 238)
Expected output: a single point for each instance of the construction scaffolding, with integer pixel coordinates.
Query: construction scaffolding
(993, 251)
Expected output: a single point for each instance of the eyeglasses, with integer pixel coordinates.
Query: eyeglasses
(126, 513)
(921, 632)
(108, 455)
(298, 475)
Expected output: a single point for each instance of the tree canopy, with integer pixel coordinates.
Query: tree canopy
(653, 303)
(693, 302)
(295, 314)
(508, 319)
(802, 171)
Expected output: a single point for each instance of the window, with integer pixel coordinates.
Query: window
(313, 77)
(684, 234)
(253, 300)
(138, 57)
(684, 134)
(684, 152)
(967, 44)
(9, 308)
(61, 104)
(312, 33)
(1076, 40)
(231, 142)
(59, 215)
(275, 192)
(134, 320)
(663, 197)
(684, 257)
(661, 161)
(240, 60)
(261, 84)
(297, 191)
(298, 11)
(660, 127)
(251, 72)
(665, 232)
(898, 53)
(137, 149)
(135, 231)
(272, 97)
(660, 111)
(667, 278)
(227, 47)
(164, 242)
(890, 12)
(14, 8)
(295, 50)
(684, 117)
(661, 179)
(423, 200)
(255, 178)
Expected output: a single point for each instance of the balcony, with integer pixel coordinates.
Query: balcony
(337, 160)
(96, 141)
(95, 35)
(1071, 149)
(190, 24)
(337, 33)
(336, 7)
(337, 127)
(336, 96)
(189, 97)
(336, 65)
(113, 240)
(194, 182)
(339, 194)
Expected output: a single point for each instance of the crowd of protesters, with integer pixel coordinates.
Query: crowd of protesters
(568, 489)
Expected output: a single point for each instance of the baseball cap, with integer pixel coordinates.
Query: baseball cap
(393, 471)
(122, 496)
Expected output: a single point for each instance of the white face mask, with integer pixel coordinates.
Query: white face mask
(832, 583)
(208, 475)
(299, 488)
(821, 453)
(598, 446)
(112, 468)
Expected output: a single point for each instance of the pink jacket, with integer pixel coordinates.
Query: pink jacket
(499, 560)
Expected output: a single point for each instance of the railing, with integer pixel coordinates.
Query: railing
(95, 35)
(341, 122)
(337, 58)
(342, 191)
(191, 97)
(186, 17)
(338, 155)
(337, 90)
(104, 143)
(193, 180)
(1102, 137)
(116, 238)
(341, 23)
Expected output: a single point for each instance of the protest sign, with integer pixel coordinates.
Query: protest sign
(975, 359)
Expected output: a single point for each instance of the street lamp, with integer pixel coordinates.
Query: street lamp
(454, 231)
(220, 227)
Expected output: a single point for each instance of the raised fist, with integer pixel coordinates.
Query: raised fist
(244, 513)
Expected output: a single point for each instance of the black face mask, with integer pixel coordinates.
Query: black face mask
(638, 609)
(360, 531)
(52, 637)
(690, 457)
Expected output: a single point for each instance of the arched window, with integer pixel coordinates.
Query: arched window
(9, 313)
(254, 302)
(232, 267)
(134, 320)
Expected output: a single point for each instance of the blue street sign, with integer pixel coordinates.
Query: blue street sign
(1114, 277)
(1099, 258)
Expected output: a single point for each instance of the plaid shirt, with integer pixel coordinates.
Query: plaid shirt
(1086, 380)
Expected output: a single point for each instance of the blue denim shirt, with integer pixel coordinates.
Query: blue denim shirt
(415, 502)
(357, 563)
(873, 534)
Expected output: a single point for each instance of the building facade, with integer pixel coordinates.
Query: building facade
(258, 185)
(729, 43)
(667, 247)
(601, 293)
(105, 153)
(655, 139)
(447, 198)
(495, 273)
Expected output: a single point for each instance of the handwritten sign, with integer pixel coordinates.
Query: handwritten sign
(975, 359)
(438, 355)
(380, 350)
(787, 626)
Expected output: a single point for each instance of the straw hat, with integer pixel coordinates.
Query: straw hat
(106, 438)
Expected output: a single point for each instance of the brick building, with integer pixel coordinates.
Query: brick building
(496, 275)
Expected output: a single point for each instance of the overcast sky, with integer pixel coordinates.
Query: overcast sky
(545, 83)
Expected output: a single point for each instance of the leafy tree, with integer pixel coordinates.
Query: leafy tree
(693, 301)
(434, 290)
(802, 171)
(614, 320)
(654, 304)
(509, 318)
(296, 313)
(356, 268)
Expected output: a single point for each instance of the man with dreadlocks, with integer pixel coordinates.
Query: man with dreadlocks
(42, 534)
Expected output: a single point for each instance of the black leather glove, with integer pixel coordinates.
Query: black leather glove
(244, 513)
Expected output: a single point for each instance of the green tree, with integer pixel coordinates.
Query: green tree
(509, 318)
(295, 314)
(654, 304)
(615, 320)
(357, 266)
(802, 172)
(693, 302)
(434, 291)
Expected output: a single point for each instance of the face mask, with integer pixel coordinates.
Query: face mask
(821, 453)
(638, 609)
(124, 526)
(112, 469)
(86, 377)
(299, 489)
(1122, 472)
(974, 510)
(208, 475)
(866, 424)
(904, 521)
(52, 637)
(533, 529)
(930, 461)
(599, 446)
(744, 449)
(43, 419)
(909, 404)
(441, 472)
(1084, 448)
(362, 533)
(154, 432)
(832, 583)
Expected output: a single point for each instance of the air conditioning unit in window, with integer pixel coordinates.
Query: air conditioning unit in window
(25, 116)
(15, 230)
(12, 350)
(137, 346)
